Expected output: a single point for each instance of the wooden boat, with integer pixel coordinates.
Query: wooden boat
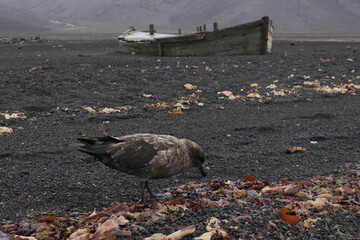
(249, 38)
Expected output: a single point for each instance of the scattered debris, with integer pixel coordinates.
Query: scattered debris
(13, 115)
(293, 149)
(180, 234)
(230, 95)
(88, 109)
(147, 95)
(271, 86)
(288, 216)
(226, 93)
(315, 83)
(40, 68)
(5, 131)
(343, 88)
(254, 92)
(157, 105)
(104, 110)
(253, 95)
(176, 111)
(208, 69)
(229, 208)
(108, 110)
(20, 41)
(190, 87)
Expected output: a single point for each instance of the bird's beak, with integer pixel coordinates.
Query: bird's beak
(202, 170)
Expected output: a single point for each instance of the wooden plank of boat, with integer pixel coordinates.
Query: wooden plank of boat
(250, 38)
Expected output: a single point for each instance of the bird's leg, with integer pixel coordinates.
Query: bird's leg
(152, 195)
(143, 185)
(203, 171)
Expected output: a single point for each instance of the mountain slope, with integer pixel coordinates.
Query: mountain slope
(117, 15)
(12, 20)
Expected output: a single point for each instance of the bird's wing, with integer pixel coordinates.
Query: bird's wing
(137, 152)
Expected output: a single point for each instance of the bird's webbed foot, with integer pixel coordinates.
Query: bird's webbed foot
(154, 197)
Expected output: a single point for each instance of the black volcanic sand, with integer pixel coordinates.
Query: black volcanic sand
(41, 172)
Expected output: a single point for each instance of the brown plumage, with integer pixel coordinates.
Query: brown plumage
(147, 156)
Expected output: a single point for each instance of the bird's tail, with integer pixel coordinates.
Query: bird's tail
(96, 146)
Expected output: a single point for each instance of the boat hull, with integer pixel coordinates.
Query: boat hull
(245, 39)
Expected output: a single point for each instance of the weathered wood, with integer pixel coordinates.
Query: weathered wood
(160, 51)
(183, 38)
(216, 26)
(264, 35)
(152, 29)
(250, 38)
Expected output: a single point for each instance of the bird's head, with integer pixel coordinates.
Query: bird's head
(197, 156)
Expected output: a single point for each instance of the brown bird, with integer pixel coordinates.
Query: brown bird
(147, 156)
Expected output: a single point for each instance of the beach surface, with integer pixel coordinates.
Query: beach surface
(285, 117)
